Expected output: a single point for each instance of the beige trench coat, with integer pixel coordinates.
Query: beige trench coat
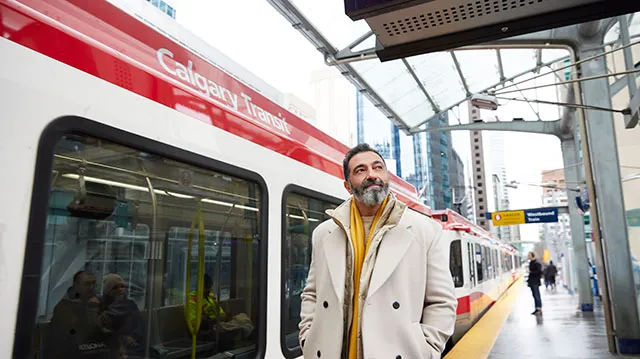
(409, 310)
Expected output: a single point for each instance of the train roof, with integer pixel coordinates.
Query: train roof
(104, 41)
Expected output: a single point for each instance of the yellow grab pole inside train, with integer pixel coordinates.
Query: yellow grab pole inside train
(194, 327)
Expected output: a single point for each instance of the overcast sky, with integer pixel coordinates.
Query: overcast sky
(253, 34)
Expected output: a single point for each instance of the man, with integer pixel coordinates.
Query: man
(76, 326)
(379, 284)
(535, 273)
(550, 276)
(210, 308)
(214, 317)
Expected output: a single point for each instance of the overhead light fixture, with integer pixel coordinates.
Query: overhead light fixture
(156, 191)
(484, 101)
(108, 182)
(300, 217)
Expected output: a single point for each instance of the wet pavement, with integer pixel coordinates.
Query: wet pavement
(561, 332)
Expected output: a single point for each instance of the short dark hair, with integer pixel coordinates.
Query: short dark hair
(76, 276)
(208, 282)
(362, 147)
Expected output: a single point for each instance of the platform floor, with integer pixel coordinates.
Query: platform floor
(508, 330)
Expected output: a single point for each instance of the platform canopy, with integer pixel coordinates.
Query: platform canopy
(410, 91)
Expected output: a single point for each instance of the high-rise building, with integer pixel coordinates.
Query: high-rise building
(560, 232)
(165, 7)
(457, 178)
(478, 171)
(335, 104)
(494, 145)
(439, 149)
(300, 108)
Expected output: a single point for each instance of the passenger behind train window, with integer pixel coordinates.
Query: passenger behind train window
(77, 330)
(216, 324)
(120, 315)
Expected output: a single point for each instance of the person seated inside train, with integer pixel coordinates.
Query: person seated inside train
(121, 315)
(214, 316)
(77, 330)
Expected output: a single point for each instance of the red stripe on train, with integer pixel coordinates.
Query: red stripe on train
(464, 305)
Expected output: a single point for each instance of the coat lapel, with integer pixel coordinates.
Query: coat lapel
(391, 251)
(335, 253)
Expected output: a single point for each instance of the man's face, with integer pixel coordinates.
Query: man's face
(530, 257)
(368, 178)
(86, 285)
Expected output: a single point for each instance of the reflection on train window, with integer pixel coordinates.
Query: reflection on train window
(135, 244)
(303, 215)
(472, 267)
(486, 263)
(455, 263)
(479, 264)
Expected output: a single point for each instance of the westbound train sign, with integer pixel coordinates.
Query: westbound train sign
(534, 215)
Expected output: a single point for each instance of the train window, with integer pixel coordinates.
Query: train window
(455, 263)
(136, 244)
(472, 267)
(304, 211)
(486, 263)
(494, 262)
(480, 264)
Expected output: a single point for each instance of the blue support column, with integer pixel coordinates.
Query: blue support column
(395, 147)
(580, 258)
(418, 160)
(359, 117)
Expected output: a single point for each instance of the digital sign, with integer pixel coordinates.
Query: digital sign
(360, 9)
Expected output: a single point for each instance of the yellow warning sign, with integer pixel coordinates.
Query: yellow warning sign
(507, 218)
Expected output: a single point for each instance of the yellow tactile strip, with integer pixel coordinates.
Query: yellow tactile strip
(479, 340)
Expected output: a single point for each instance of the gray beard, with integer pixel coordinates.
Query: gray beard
(371, 196)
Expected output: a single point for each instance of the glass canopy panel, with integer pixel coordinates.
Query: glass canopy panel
(549, 55)
(516, 61)
(395, 85)
(634, 26)
(614, 32)
(480, 68)
(439, 75)
(329, 18)
(418, 113)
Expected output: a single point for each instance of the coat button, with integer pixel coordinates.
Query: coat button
(325, 304)
(396, 305)
(318, 353)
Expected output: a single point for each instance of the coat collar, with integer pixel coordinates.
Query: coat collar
(342, 214)
(335, 245)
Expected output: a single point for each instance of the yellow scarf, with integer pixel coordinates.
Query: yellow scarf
(359, 253)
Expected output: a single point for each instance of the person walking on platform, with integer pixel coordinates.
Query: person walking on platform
(535, 273)
(550, 276)
(379, 283)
